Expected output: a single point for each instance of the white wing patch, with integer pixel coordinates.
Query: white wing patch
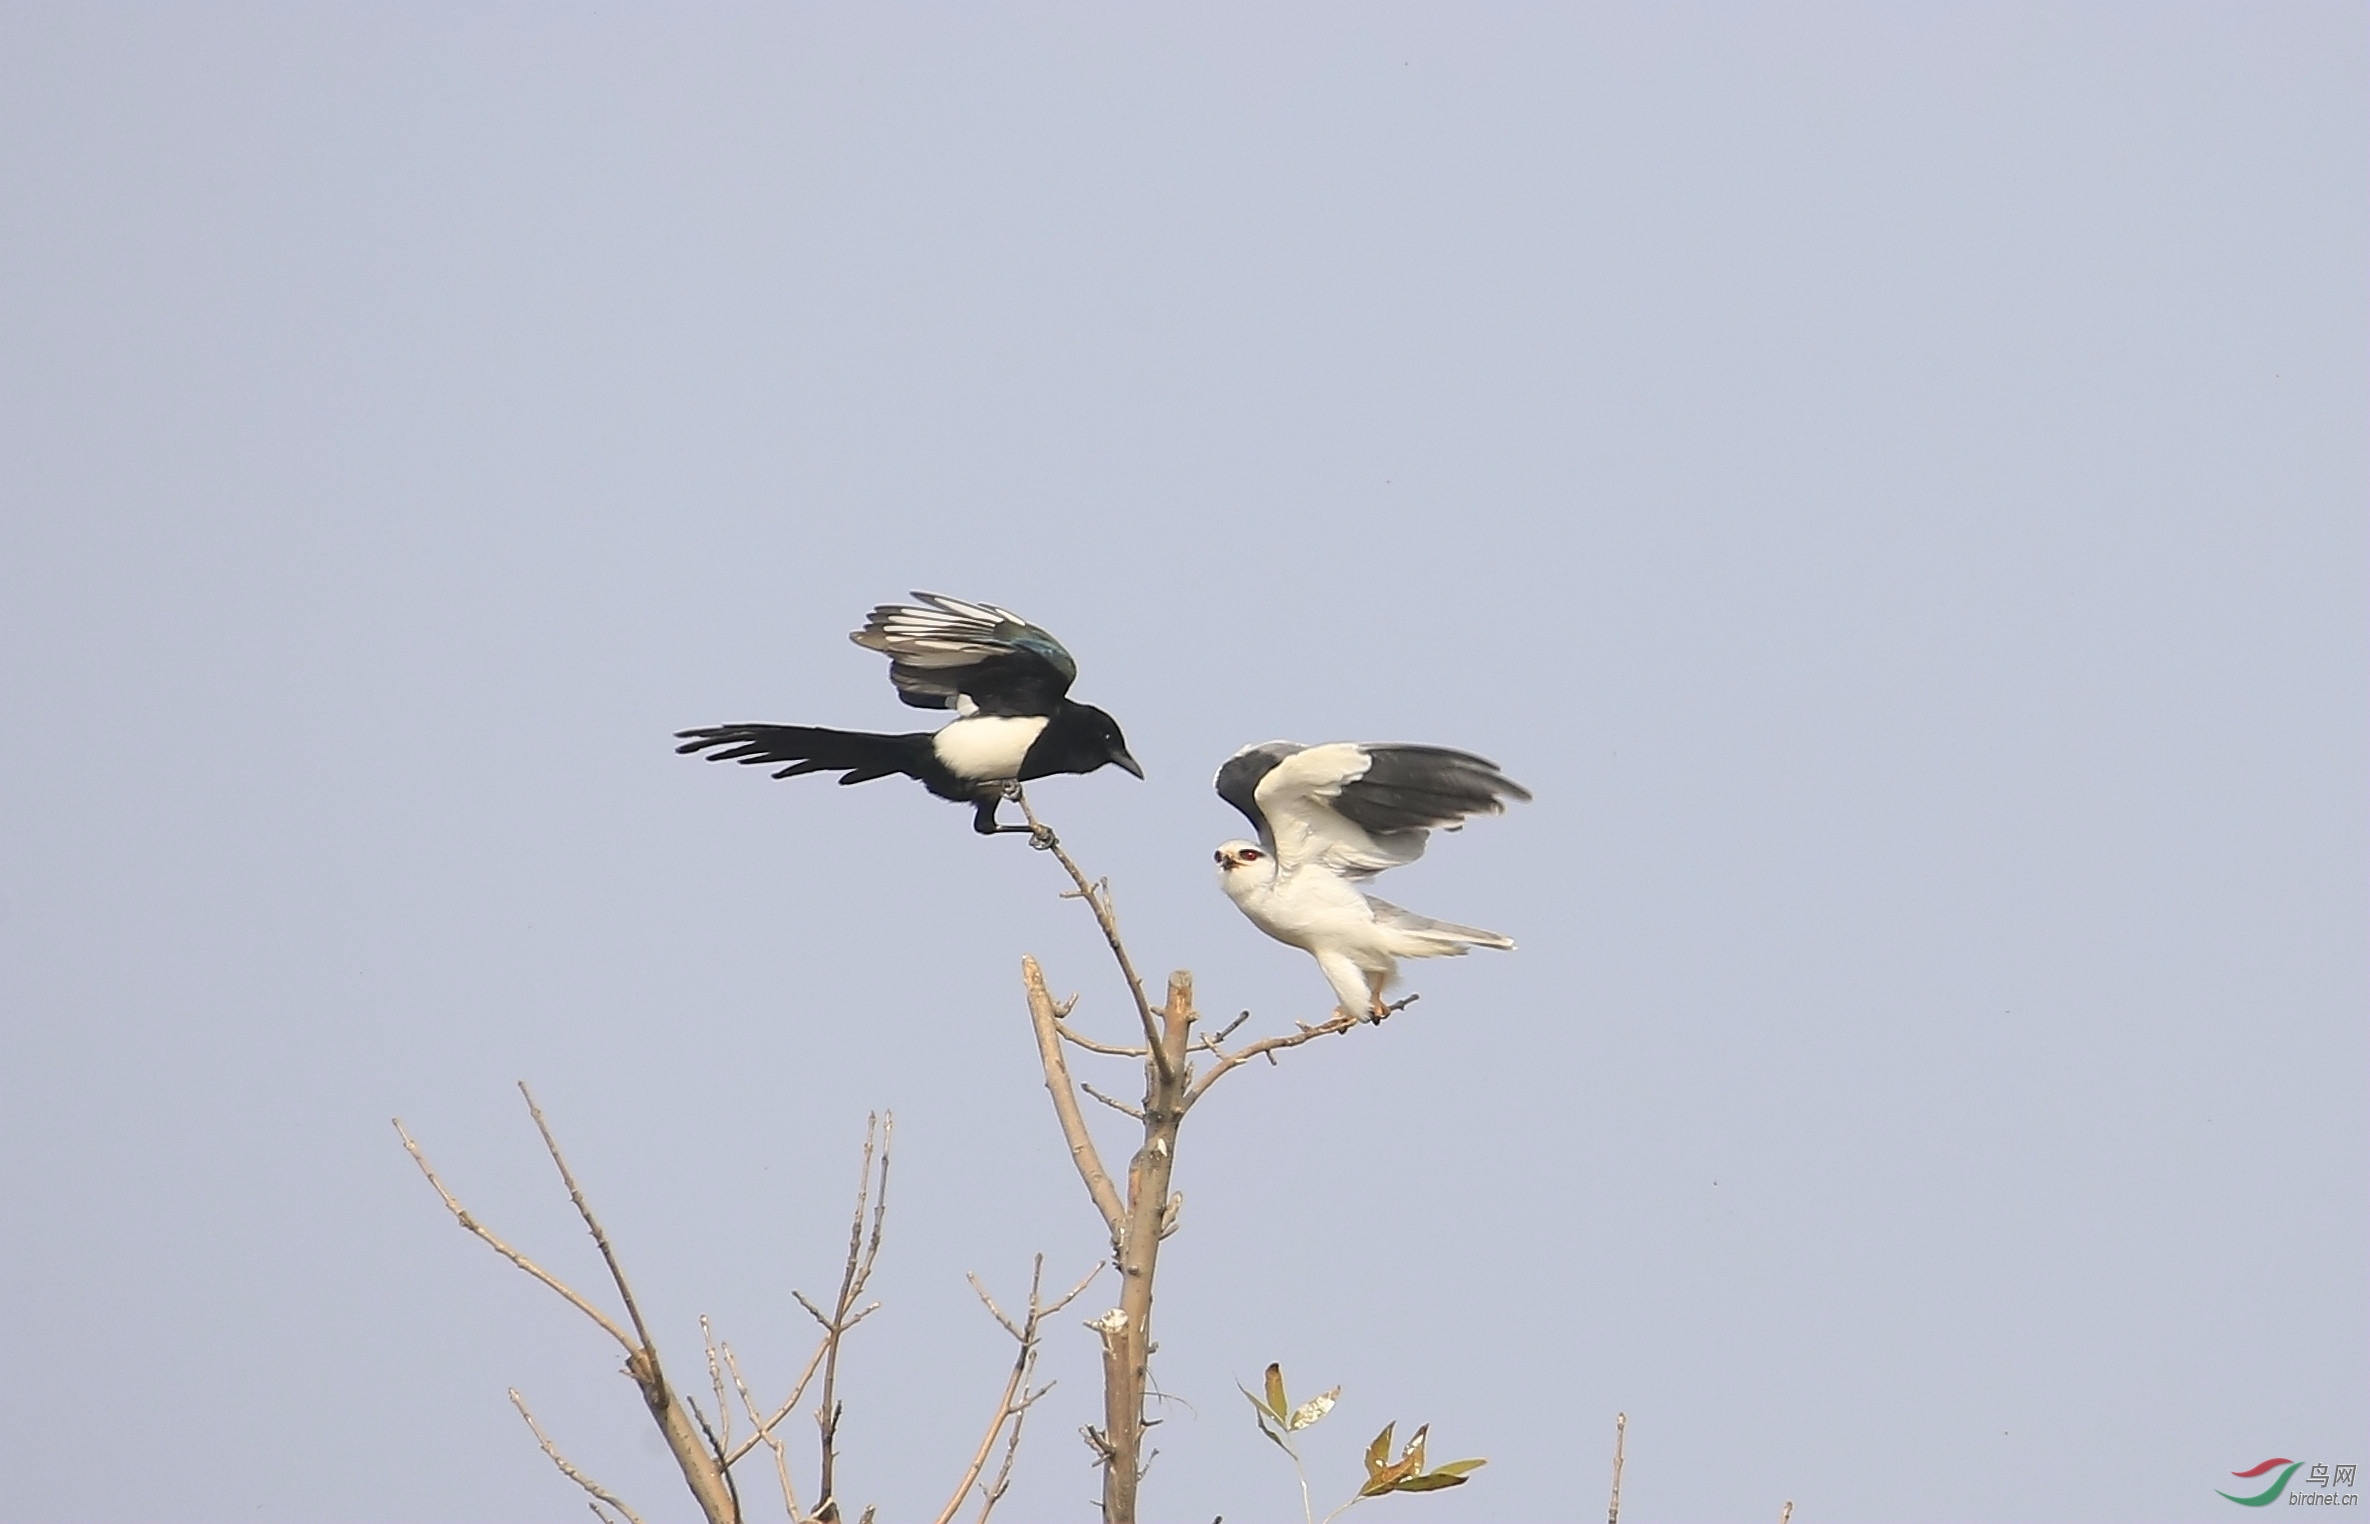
(1297, 797)
(951, 634)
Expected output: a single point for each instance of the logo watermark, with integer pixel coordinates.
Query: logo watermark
(2332, 1484)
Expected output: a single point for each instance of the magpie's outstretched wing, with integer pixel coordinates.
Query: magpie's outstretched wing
(1355, 808)
(948, 648)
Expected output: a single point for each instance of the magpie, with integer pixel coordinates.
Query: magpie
(1330, 817)
(1007, 681)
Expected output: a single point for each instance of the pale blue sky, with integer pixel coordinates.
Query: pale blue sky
(1890, 479)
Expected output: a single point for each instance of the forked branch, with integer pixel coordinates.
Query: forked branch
(1012, 1407)
(696, 1456)
(487, 1236)
(863, 1251)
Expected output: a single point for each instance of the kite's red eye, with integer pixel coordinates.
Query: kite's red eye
(1251, 854)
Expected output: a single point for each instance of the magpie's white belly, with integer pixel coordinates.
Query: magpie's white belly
(988, 746)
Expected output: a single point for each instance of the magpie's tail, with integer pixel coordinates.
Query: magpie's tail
(858, 757)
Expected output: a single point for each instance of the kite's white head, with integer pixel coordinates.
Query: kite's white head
(1244, 867)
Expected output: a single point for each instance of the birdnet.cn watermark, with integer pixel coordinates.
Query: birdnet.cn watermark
(2323, 1485)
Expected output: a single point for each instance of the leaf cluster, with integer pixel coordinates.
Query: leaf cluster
(1407, 1473)
(1279, 1418)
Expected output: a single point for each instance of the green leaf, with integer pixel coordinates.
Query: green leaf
(1459, 1468)
(1277, 1402)
(1430, 1481)
(1413, 1458)
(1380, 1450)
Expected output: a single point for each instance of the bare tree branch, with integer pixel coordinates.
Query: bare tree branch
(1065, 1100)
(732, 1488)
(765, 1427)
(1119, 1106)
(703, 1471)
(1098, 899)
(853, 1275)
(570, 1472)
(716, 1380)
(1148, 1211)
(993, 1493)
(1266, 1047)
(1013, 1406)
(1126, 1330)
(1208, 1041)
(835, 1324)
(1108, 1050)
(1269, 1047)
(1141, 1219)
(583, 1210)
(1620, 1434)
(461, 1215)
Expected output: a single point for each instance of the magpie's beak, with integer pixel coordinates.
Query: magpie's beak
(1124, 760)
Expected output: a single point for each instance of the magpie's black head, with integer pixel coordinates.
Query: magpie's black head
(1103, 733)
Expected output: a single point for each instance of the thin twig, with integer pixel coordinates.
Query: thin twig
(765, 1429)
(1072, 1294)
(1208, 1041)
(1098, 900)
(1107, 1049)
(1264, 1048)
(823, 1349)
(1620, 1434)
(707, 1336)
(993, 1492)
(1786, 1514)
(561, 1461)
(989, 1302)
(824, 1318)
(1120, 1106)
(461, 1215)
(789, 1404)
(853, 1275)
(591, 1223)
